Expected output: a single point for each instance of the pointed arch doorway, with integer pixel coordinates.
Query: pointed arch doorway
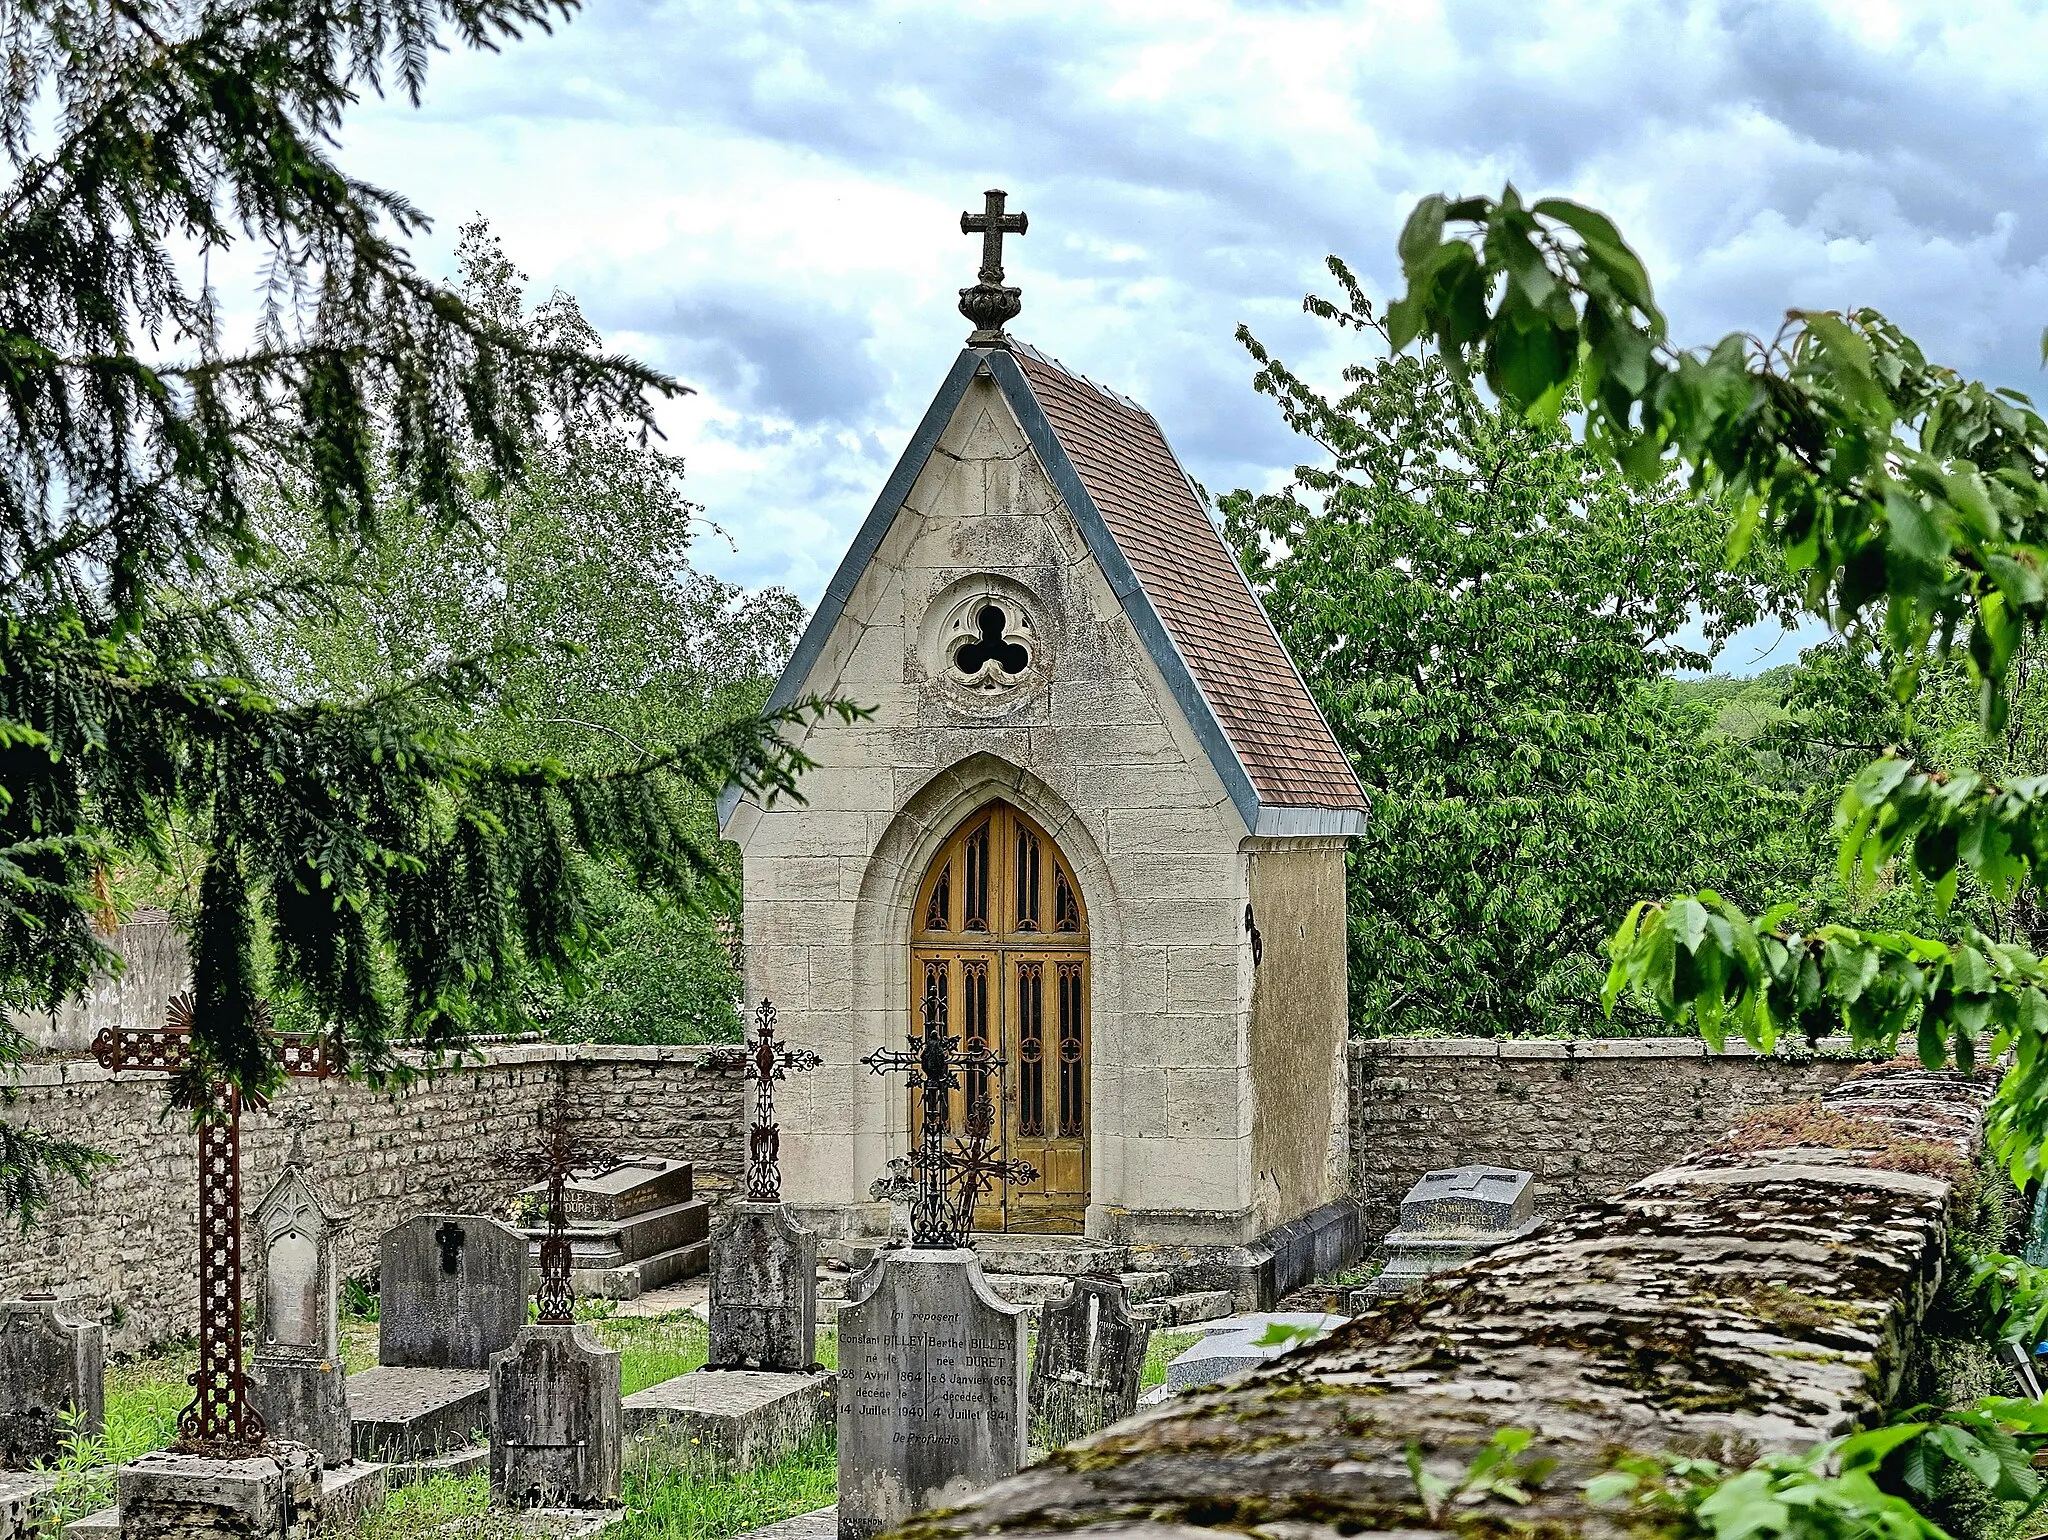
(999, 937)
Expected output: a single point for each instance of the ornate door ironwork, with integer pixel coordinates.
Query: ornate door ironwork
(1000, 943)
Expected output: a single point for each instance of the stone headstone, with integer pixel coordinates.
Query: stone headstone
(633, 1186)
(764, 1291)
(48, 1362)
(1450, 1217)
(556, 1422)
(931, 1388)
(1089, 1360)
(633, 1226)
(453, 1291)
(297, 1380)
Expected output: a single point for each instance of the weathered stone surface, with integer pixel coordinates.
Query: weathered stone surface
(403, 1413)
(727, 1419)
(635, 1185)
(764, 1291)
(1087, 1364)
(298, 1383)
(932, 1388)
(453, 1291)
(556, 1420)
(165, 1496)
(1750, 1295)
(48, 1361)
(1232, 1346)
(1450, 1217)
(18, 1493)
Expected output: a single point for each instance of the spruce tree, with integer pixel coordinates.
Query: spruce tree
(364, 858)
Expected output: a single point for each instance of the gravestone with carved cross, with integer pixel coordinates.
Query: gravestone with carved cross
(219, 1421)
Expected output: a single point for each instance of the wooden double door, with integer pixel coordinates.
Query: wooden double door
(999, 942)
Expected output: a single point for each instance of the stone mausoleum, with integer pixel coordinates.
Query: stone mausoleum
(1094, 817)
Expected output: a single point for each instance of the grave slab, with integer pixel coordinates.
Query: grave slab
(1089, 1359)
(633, 1227)
(730, 1419)
(764, 1291)
(556, 1421)
(932, 1370)
(18, 1492)
(48, 1361)
(1450, 1217)
(412, 1414)
(453, 1291)
(1230, 1346)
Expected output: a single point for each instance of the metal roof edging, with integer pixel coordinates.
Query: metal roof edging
(888, 503)
(1130, 592)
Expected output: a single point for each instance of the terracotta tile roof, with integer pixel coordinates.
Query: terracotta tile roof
(1195, 586)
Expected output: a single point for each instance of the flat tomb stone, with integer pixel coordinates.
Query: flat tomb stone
(405, 1413)
(166, 1496)
(18, 1493)
(736, 1419)
(932, 1371)
(636, 1184)
(1464, 1200)
(556, 1421)
(1231, 1346)
(104, 1525)
(453, 1292)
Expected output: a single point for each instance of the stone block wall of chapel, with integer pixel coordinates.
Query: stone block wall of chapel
(1093, 747)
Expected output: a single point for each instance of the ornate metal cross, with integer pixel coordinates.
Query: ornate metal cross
(219, 1420)
(976, 1164)
(934, 1062)
(989, 304)
(560, 1156)
(764, 1061)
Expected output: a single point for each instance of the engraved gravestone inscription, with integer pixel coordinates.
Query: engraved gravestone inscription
(931, 1388)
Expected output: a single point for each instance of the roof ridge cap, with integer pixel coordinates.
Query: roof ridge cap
(1079, 378)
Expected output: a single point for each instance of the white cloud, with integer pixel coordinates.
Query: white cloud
(763, 197)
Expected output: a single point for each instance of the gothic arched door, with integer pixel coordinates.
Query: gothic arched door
(999, 938)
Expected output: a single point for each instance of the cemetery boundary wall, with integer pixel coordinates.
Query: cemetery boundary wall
(1588, 1118)
(131, 1239)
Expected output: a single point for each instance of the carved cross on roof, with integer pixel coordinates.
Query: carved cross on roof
(989, 304)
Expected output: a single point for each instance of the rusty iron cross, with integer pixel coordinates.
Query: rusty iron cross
(976, 1164)
(559, 1156)
(992, 224)
(219, 1421)
(933, 1062)
(764, 1061)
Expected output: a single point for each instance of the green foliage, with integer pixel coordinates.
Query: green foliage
(372, 859)
(671, 1505)
(654, 1348)
(1500, 1470)
(1486, 614)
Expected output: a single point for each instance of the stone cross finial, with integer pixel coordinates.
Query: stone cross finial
(989, 304)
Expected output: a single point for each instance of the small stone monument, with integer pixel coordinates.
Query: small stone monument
(1450, 1217)
(557, 1424)
(931, 1388)
(48, 1362)
(557, 1438)
(764, 1291)
(453, 1291)
(297, 1379)
(1090, 1358)
(634, 1224)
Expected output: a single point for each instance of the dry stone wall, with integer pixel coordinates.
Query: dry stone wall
(1743, 1299)
(1587, 1118)
(129, 1241)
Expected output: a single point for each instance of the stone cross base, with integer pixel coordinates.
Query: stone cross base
(305, 1401)
(764, 1291)
(165, 1496)
(556, 1423)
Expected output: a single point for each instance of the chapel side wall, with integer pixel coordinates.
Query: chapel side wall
(440, 1144)
(1587, 1118)
(156, 966)
(1299, 1027)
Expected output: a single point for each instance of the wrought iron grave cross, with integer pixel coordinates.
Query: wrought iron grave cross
(934, 1062)
(989, 304)
(219, 1421)
(560, 1156)
(764, 1061)
(976, 1164)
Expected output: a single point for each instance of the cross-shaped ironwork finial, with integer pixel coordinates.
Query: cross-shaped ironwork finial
(764, 1061)
(559, 1156)
(989, 304)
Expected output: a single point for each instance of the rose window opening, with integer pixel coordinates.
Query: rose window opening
(990, 660)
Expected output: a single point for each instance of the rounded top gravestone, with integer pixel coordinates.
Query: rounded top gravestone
(453, 1291)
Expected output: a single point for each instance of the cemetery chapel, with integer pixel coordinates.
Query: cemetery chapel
(1094, 819)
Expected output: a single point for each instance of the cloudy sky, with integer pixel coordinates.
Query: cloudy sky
(763, 198)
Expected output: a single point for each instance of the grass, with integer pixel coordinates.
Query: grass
(1164, 1347)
